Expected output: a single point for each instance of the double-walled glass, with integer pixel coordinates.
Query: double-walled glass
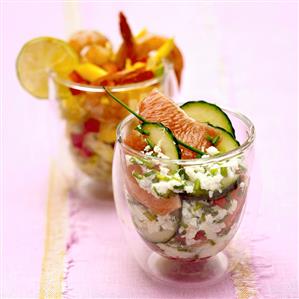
(91, 117)
(179, 215)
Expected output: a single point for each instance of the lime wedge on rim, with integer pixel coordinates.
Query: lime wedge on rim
(38, 57)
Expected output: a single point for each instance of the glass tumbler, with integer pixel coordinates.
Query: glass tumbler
(179, 237)
(91, 118)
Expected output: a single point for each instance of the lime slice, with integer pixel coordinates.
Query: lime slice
(38, 57)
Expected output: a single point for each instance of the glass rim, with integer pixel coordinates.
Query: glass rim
(118, 88)
(198, 161)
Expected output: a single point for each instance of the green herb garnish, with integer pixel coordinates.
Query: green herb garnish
(191, 148)
(150, 173)
(140, 161)
(212, 242)
(214, 171)
(149, 143)
(184, 225)
(137, 175)
(150, 216)
(183, 174)
(146, 163)
(141, 131)
(179, 187)
(197, 206)
(223, 171)
(213, 140)
(182, 249)
(162, 177)
(196, 187)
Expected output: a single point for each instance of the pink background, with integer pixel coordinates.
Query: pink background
(237, 54)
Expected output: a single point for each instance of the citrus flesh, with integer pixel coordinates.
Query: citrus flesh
(158, 108)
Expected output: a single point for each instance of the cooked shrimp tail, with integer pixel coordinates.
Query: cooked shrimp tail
(125, 30)
(128, 49)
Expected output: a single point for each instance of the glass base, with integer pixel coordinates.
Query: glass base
(204, 272)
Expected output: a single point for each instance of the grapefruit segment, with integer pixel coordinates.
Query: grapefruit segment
(135, 140)
(158, 108)
(161, 206)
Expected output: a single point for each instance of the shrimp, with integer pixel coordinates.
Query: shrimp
(97, 54)
(138, 48)
(128, 47)
(84, 38)
(92, 46)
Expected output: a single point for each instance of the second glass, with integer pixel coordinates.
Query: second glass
(92, 117)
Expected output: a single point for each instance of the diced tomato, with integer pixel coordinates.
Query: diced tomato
(180, 239)
(75, 92)
(200, 235)
(77, 140)
(221, 202)
(85, 152)
(91, 125)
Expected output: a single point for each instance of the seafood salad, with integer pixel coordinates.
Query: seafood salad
(184, 195)
(139, 59)
(83, 64)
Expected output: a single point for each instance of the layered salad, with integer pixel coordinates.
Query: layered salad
(185, 196)
(83, 64)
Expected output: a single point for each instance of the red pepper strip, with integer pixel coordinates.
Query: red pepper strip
(75, 77)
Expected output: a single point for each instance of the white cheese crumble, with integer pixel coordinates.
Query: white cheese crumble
(233, 206)
(193, 218)
(211, 177)
(163, 187)
(147, 148)
(164, 170)
(212, 151)
(207, 181)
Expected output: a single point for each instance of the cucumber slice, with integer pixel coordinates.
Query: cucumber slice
(151, 227)
(227, 142)
(228, 186)
(209, 113)
(158, 134)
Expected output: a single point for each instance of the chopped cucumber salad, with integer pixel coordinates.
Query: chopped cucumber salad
(212, 197)
(205, 181)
